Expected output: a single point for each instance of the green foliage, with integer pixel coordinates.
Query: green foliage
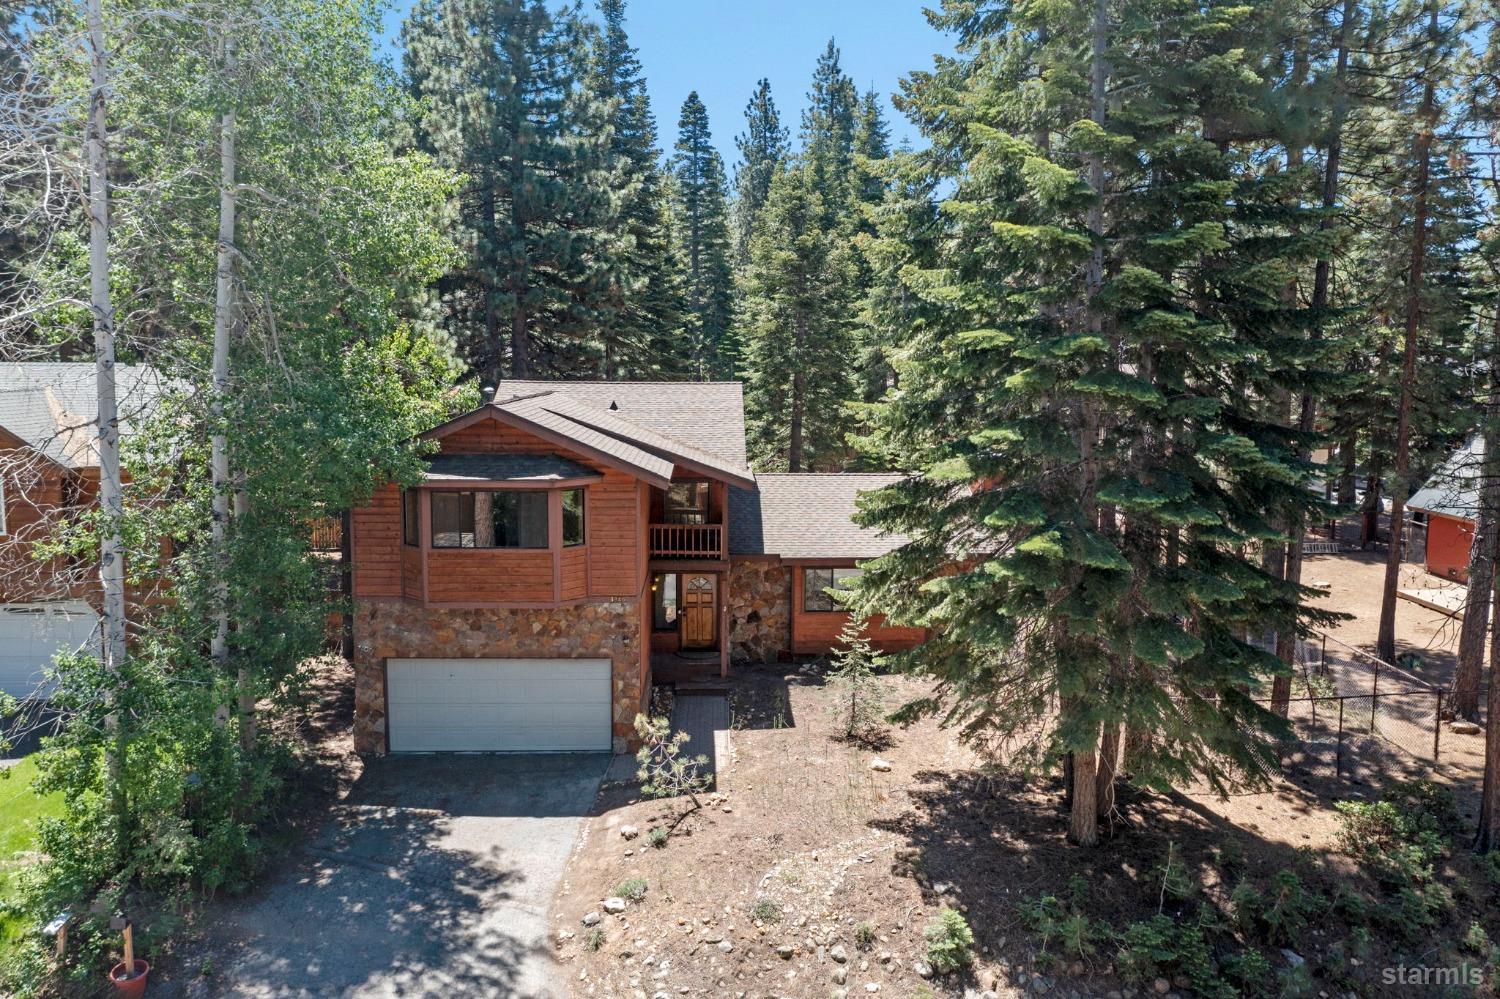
(797, 331)
(593, 939)
(864, 935)
(1399, 840)
(632, 889)
(702, 227)
(657, 836)
(950, 942)
(859, 695)
(763, 150)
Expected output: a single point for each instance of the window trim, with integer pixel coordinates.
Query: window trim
(658, 594)
(810, 592)
(702, 488)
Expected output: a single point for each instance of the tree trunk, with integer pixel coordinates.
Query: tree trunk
(1349, 452)
(111, 491)
(1083, 820)
(520, 344)
(224, 318)
(1108, 767)
(1369, 527)
(1489, 800)
(1385, 643)
(1465, 701)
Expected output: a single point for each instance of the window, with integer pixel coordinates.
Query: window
(687, 503)
(815, 583)
(498, 519)
(572, 516)
(664, 602)
(411, 507)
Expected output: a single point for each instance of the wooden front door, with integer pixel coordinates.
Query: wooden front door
(698, 606)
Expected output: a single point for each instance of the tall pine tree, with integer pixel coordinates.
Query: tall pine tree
(702, 221)
(763, 149)
(499, 85)
(644, 301)
(797, 331)
(1102, 306)
(828, 133)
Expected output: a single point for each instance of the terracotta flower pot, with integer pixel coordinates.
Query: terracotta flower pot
(130, 984)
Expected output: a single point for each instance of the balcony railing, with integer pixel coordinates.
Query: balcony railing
(687, 540)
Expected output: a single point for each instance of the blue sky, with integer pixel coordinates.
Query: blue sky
(722, 47)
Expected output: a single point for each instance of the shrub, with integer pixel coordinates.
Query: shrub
(1173, 878)
(1476, 940)
(1250, 970)
(1146, 948)
(631, 889)
(1399, 840)
(657, 837)
(593, 939)
(864, 935)
(950, 942)
(1288, 908)
(765, 911)
(664, 770)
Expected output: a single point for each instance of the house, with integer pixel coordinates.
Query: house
(1449, 501)
(569, 540)
(49, 472)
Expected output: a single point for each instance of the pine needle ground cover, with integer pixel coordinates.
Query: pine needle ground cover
(811, 869)
(21, 808)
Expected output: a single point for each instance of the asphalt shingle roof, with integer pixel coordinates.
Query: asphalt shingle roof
(800, 515)
(707, 415)
(456, 469)
(1453, 490)
(53, 406)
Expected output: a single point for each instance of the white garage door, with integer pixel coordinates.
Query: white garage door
(498, 705)
(31, 634)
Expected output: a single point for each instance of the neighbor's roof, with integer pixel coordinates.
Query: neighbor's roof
(457, 469)
(804, 515)
(708, 415)
(1453, 490)
(53, 405)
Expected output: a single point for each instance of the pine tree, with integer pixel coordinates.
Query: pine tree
(828, 130)
(645, 302)
(763, 149)
(859, 695)
(1103, 310)
(872, 143)
(797, 303)
(703, 237)
(499, 86)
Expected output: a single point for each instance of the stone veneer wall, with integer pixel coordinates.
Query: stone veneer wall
(385, 629)
(759, 611)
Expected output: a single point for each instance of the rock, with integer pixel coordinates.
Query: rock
(785, 952)
(884, 766)
(840, 975)
(591, 919)
(563, 936)
(872, 987)
(1162, 986)
(629, 832)
(922, 969)
(1466, 728)
(725, 946)
(838, 953)
(840, 994)
(1293, 958)
(1076, 969)
(614, 905)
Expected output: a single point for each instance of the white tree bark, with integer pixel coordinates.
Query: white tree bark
(224, 317)
(111, 491)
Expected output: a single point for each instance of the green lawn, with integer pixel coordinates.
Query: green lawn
(20, 808)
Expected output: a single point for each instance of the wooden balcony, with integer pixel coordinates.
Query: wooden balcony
(697, 541)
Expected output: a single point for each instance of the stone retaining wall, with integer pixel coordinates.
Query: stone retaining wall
(759, 611)
(399, 630)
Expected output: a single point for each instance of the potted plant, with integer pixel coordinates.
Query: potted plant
(129, 976)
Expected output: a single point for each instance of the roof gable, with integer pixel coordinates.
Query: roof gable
(53, 406)
(1453, 490)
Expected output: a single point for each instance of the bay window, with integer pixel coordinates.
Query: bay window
(490, 519)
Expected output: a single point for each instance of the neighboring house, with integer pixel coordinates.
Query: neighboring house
(572, 537)
(49, 472)
(1450, 503)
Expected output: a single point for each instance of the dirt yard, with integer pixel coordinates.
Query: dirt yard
(766, 891)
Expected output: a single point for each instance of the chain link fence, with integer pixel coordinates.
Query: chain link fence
(1355, 716)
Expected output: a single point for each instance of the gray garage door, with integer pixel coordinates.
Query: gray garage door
(498, 705)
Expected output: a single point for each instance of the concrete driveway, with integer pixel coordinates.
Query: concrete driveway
(433, 879)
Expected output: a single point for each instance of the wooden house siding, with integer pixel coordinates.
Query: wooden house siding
(376, 545)
(817, 632)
